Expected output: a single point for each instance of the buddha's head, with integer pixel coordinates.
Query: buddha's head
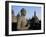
(23, 12)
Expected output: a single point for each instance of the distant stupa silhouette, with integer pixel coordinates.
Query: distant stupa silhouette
(18, 15)
(34, 13)
(35, 18)
(12, 12)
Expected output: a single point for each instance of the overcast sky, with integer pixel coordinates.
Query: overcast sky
(30, 11)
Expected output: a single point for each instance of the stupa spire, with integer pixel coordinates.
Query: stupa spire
(34, 13)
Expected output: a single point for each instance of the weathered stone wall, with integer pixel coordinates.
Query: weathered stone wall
(14, 19)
